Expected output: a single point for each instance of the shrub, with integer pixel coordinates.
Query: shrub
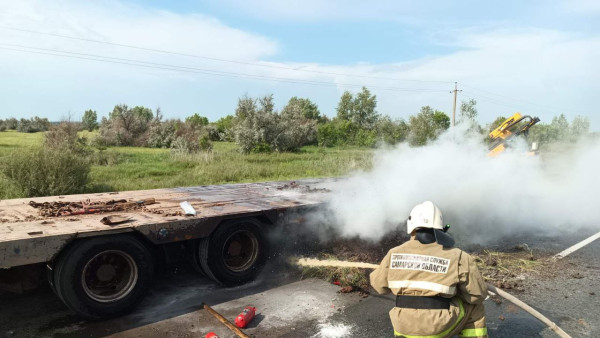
(224, 126)
(11, 123)
(189, 140)
(33, 125)
(185, 145)
(365, 138)
(45, 172)
(327, 134)
(261, 147)
(103, 157)
(213, 133)
(162, 134)
(391, 132)
(295, 129)
(254, 125)
(196, 121)
(8, 189)
(64, 137)
(204, 144)
(125, 126)
(337, 133)
(2, 125)
(258, 128)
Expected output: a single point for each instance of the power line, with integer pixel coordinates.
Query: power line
(500, 95)
(512, 100)
(511, 105)
(146, 64)
(218, 59)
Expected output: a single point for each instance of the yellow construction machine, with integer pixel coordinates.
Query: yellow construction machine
(514, 126)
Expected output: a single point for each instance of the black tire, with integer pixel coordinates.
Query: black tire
(221, 264)
(103, 277)
(50, 277)
(195, 257)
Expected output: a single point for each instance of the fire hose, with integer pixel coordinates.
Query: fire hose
(491, 289)
(529, 309)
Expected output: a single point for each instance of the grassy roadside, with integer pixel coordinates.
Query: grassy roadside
(135, 168)
(13, 141)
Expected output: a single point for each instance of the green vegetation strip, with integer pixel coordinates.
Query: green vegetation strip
(135, 168)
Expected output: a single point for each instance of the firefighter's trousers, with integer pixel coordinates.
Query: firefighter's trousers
(470, 324)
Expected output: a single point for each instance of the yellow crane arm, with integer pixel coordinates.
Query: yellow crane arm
(513, 126)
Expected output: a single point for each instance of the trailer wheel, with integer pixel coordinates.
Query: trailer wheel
(103, 277)
(50, 277)
(195, 257)
(235, 253)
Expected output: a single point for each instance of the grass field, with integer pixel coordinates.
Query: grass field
(134, 168)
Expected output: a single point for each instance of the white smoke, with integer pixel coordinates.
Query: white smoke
(479, 195)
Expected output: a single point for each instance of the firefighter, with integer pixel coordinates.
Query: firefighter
(439, 291)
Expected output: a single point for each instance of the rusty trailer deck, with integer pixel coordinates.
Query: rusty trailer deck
(27, 238)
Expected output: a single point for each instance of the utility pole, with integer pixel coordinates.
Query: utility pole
(455, 91)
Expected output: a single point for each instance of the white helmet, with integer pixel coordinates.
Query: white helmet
(425, 215)
(428, 215)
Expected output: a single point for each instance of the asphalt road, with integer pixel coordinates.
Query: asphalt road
(290, 307)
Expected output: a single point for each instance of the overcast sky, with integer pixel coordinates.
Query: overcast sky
(536, 57)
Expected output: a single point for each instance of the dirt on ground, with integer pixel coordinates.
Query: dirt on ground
(506, 268)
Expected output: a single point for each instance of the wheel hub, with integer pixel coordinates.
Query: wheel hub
(240, 251)
(235, 249)
(106, 273)
(109, 276)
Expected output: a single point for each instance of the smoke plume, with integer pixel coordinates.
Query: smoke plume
(479, 195)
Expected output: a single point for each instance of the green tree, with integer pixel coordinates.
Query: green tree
(560, 127)
(345, 107)
(542, 133)
(559, 130)
(143, 113)
(580, 126)
(158, 116)
(441, 121)
(196, 121)
(391, 132)
(90, 120)
(308, 109)
(427, 125)
(360, 109)
(363, 112)
(468, 110)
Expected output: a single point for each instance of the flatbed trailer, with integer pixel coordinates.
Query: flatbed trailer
(102, 270)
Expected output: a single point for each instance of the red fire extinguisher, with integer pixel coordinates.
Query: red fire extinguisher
(211, 335)
(245, 317)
